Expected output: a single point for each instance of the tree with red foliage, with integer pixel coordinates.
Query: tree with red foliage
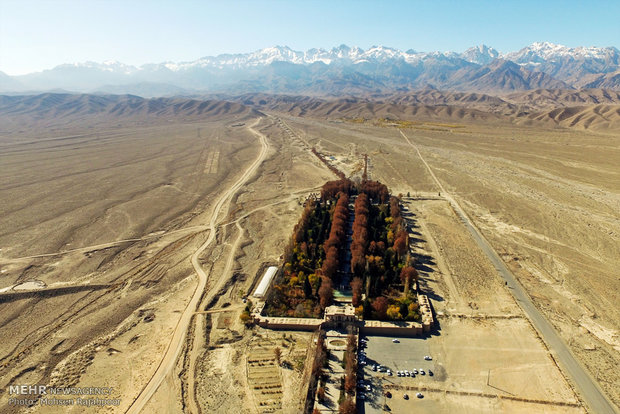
(375, 190)
(302, 225)
(347, 407)
(356, 286)
(400, 243)
(331, 188)
(380, 305)
(360, 241)
(394, 207)
(337, 231)
(326, 292)
(407, 275)
(349, 380)
(330, 264)
(337, 234)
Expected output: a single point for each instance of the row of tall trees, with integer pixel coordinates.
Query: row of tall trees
(320, 363)
(333, 248)
(360, 241)
(350, 376)
(380, 261)
(331, 167)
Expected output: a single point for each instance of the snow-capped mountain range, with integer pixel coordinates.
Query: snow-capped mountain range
(342, 69)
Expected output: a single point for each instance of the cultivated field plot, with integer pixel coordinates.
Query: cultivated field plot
(264, 377)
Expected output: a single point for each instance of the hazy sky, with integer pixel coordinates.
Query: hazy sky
(37, 35)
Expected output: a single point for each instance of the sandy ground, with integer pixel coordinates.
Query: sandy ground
(546, 199)
(134, 196)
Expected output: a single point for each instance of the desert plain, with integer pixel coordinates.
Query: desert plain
(107, 212)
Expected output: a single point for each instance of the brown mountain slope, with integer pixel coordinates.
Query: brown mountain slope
(606, 80)
(593, 109)
(553, 98)
(53, 109)
(597, 117)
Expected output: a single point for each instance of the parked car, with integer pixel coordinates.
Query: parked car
(396, 341)
(428, 358)
(405, 396)
(421, 371)
(430, 373)
(415, 371)
(419, 395)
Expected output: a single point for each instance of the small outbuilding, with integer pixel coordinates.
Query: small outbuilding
(265, 282)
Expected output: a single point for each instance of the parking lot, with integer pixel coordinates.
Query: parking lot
(389, 357)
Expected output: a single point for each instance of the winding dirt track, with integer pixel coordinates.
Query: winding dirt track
(589, 390)
(175, 346)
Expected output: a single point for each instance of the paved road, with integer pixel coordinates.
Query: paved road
(589, 390)
(176, 344)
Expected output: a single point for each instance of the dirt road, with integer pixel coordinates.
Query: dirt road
(589, 390)
(173, 351)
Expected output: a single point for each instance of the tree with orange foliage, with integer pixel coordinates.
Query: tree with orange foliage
(407, 275)
(380, 305)
(356, 287)
(360, 242)
(326, 292)
(331, 188)
(400, 243)
(347, 407)
(349, 381)
(330, 264)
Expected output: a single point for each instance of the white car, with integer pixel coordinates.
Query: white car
(419, 395)
(422, 371)
(389, 372)
(415, 371)
(368, 388)
(428, 358)
(396, 341)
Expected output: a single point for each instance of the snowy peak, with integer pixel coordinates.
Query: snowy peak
(113, 66)
(341, 69)
(540, 52)
(534, 54)
(481, 55)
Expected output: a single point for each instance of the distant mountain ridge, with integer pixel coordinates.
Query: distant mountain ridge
(341, 70)
(591, 109)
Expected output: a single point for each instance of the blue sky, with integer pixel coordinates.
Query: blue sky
(37, 35)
